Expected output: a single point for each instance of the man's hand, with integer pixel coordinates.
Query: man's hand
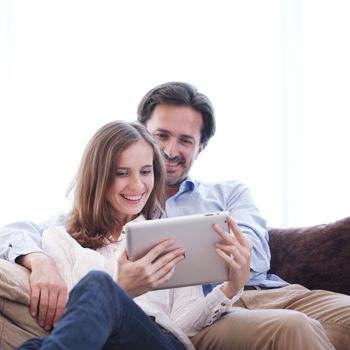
(140, 276)
(48, 291)
(236, 252)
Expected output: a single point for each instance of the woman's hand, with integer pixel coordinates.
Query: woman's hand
(140, 276)
(236, 252)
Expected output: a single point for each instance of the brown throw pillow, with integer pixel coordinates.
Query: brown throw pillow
(317, 257)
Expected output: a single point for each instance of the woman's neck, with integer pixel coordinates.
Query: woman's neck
(122, 220)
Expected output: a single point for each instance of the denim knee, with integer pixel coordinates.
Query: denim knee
(94, 282)
(100, 278)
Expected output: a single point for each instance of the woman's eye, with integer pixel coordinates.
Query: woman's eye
(146, 172)
(121, 173)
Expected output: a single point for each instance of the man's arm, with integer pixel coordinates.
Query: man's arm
(48, 291)
(24, 237)
(21, 243)
(247, 217)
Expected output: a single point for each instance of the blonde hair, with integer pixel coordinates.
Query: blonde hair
(92, 218)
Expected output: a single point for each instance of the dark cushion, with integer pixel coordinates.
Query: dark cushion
(317, 257)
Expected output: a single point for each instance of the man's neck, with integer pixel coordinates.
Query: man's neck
(171, 190)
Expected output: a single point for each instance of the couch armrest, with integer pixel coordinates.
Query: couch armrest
(16, 323)
(317, 257)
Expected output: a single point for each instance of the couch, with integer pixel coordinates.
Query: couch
(317, 257)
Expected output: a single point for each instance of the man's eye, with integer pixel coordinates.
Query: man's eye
(160, 136)
(187, 141)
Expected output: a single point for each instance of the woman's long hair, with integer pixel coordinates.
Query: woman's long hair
(92, 219)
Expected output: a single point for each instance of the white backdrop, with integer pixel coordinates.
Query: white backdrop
(277, 73)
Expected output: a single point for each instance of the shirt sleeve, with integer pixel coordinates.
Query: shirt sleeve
(192, 311)
(242, 207)
(24, 237)
(74, 261)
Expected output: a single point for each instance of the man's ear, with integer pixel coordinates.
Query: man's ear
(200, 149)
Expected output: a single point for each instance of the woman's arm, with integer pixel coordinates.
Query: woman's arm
(74, 261)
(192, 311)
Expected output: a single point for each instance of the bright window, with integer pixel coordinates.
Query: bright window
(277, 73)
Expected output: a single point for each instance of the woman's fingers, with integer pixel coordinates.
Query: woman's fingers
(226, 237)
(231, 261)
(237, 232)
(168, 257)
(156, 251)
(164, 267)
(157, 266)
(231, 239)
(165, 277)
(232, 251)
(159, 256)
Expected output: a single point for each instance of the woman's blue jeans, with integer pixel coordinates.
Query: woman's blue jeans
(100, 315)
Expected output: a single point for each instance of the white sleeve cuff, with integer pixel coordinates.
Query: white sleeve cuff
(218, 303)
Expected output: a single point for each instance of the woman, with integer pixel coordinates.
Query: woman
(121, 178)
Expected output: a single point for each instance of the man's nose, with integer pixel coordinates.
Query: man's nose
(170, 148)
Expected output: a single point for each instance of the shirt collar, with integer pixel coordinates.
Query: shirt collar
(187, 185)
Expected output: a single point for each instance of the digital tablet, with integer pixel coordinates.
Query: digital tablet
(195, 234)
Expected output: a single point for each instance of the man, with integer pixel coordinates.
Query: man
(270, 314)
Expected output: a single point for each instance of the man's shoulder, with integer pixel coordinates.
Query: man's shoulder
(27, 225)
(227, 185)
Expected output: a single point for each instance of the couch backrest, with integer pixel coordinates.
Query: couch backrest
(317, 257)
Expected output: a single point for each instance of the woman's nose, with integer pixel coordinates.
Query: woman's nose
(136, 183)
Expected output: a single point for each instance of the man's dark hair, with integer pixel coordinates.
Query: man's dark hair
(179, 94)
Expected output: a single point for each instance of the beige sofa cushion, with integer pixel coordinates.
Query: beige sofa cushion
(16, 323)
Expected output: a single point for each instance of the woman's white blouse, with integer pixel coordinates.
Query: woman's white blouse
(183, 311)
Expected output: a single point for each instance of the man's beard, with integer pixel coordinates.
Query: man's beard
(173, 180)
